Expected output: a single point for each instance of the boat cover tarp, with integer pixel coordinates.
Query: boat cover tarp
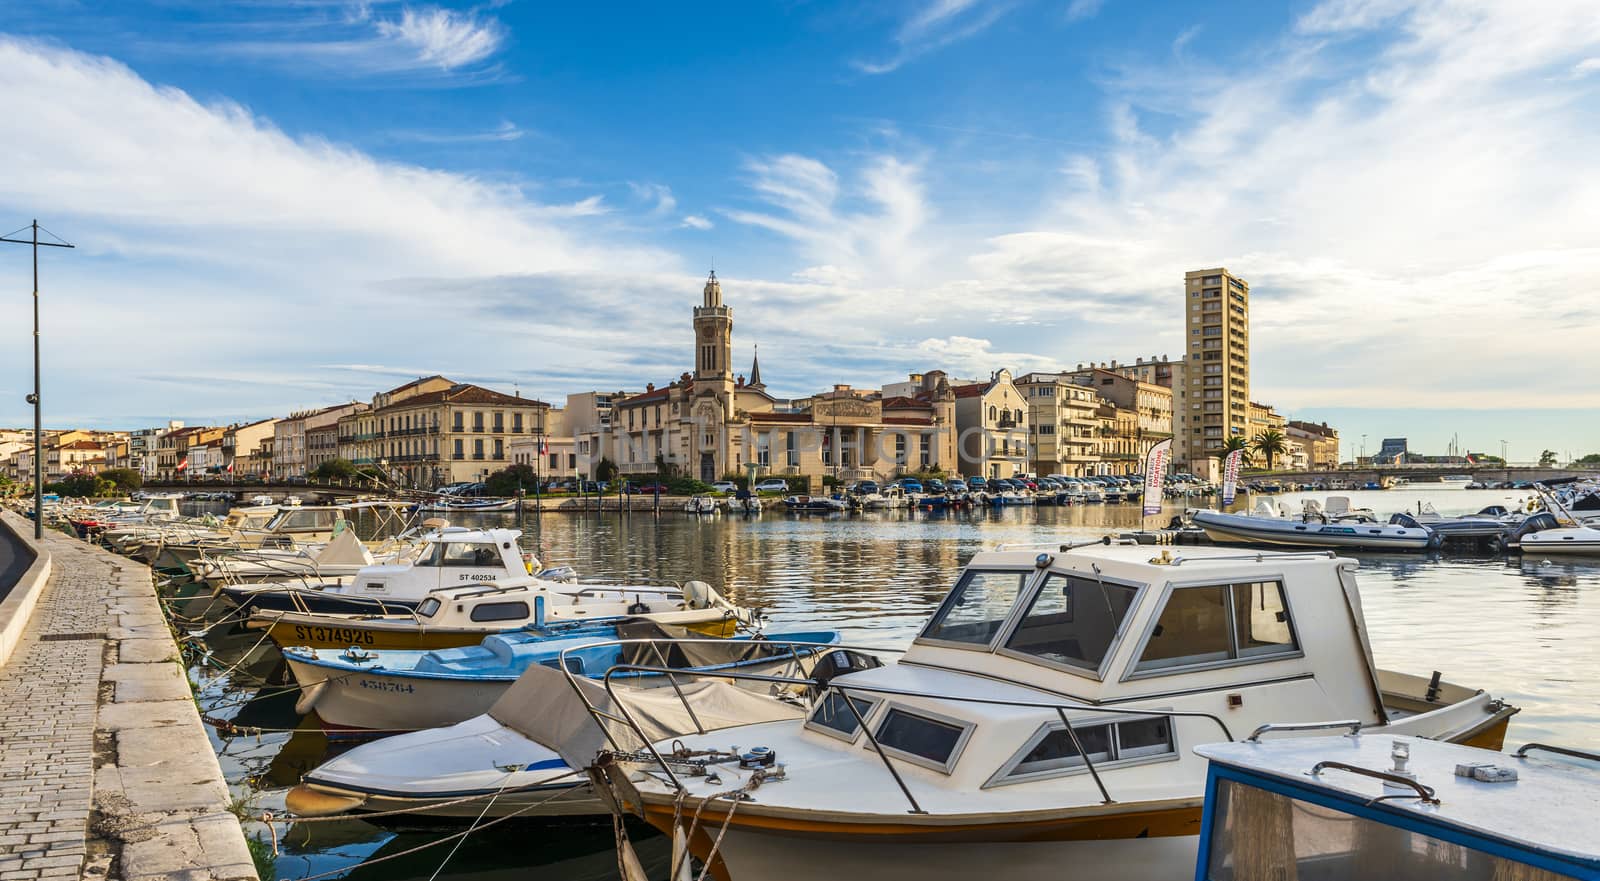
(544, 705)
(344, 549)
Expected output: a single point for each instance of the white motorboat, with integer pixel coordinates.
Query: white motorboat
(467, 505)
(261, 500)
(499, 763)
(1455, 481)
(448, 557)
(1378, 806)
(1312, 532)
(357, 690)
(1040, 726)
(701, 504)
(1562, 540)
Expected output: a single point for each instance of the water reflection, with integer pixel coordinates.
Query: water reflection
(1525, 629)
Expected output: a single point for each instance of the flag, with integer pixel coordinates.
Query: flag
(544, 447)
(1155, 474)
(230, 467)
(183, 464)
(1230, 476)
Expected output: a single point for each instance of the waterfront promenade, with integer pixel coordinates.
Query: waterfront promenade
(105, 768)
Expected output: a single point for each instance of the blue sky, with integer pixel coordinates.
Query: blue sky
(285, 204)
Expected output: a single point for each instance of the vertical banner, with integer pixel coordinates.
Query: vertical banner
(1155, 474)
(1230, 476)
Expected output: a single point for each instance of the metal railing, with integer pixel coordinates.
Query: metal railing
(1060, 708)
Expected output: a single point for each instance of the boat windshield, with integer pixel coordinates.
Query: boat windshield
(979, 604)
(1073, 620)
(1261, 834)
(461, 553)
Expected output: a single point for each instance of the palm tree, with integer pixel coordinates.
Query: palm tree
(1234, 443)
(1270, 443)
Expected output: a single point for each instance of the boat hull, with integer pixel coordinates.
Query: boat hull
(321, 602)
(292, 630)
(1234, 529)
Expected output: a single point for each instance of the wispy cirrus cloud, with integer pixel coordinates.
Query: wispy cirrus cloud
(506, 131)
(935, 25)
(423, 41)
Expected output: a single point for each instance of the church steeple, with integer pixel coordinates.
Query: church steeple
(713, 324)
(713, 291)
(755, 372)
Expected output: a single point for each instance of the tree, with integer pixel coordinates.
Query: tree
(335, 469)
(82, 484)
(125, 479)
(606, 471)
(1547, 458)
(1234, 443)
(1270, 443)
(507, 481)
(1591, 459)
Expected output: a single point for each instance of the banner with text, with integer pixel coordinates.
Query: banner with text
(1155, 475)
(1230, 476)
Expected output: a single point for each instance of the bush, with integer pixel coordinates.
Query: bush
(82, 485)
(684, 486)
(124, 479)
(606, 471)
(334, 469)
(507, 481)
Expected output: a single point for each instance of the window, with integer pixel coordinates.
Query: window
(831, 716)
(459, 453)
(456, 424)
(428, 608)
(980, 603)
(792, 449)
(477, 420)
(477, 448)
(1219, 623)
(499, 448)
(499, 422)
(1073, 621)
(516, 423)
(921, 739)
(499, 612)
(1051, 751)
(463, 553)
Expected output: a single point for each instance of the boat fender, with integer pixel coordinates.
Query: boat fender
(308, 698)
(638, 608)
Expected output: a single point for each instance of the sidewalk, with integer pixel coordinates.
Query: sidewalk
(99, 723)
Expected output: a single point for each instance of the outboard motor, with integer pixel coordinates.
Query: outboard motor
(1405, 520)
(1535, 523)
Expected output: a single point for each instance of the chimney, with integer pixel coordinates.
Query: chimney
(649, 387)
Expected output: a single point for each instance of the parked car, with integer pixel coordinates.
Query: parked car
(726, 487)
(773, 485)
(649, 489)
(910, 485)
(955, 486)
(935, 485)
(297, 480)
(864, 487)
(977, 483)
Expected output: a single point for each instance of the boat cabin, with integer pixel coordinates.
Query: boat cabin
(1377, 806)
(1155, 651)
(303, 524)
(450, 557)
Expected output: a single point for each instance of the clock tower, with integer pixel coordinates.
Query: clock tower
(713, 335)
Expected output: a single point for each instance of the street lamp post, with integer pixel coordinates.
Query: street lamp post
(33, 399)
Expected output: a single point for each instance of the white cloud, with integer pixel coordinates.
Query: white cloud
(870, 226)
(420, 41)
(695, 221)
(444, 38)
(1078, 10)
(658, 195)
(935, 25)
(505, 131)
(1586, 67)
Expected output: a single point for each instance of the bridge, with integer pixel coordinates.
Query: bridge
(1425, 473)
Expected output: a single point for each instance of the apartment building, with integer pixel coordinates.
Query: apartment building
(1064, 425)
(1217, 384)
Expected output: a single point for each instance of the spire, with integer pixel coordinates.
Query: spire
(755, 372)
(713, 290)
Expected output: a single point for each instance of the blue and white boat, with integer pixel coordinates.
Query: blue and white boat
(359, 690)
(1384, 806)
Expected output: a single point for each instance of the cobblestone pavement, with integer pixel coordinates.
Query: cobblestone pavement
(96, 666)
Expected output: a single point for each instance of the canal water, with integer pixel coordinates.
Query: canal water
(1526, 629)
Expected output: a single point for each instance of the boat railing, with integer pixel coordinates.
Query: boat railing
(1060, 708)
(1255, 736)
(1257, 557)
(1522, 751)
